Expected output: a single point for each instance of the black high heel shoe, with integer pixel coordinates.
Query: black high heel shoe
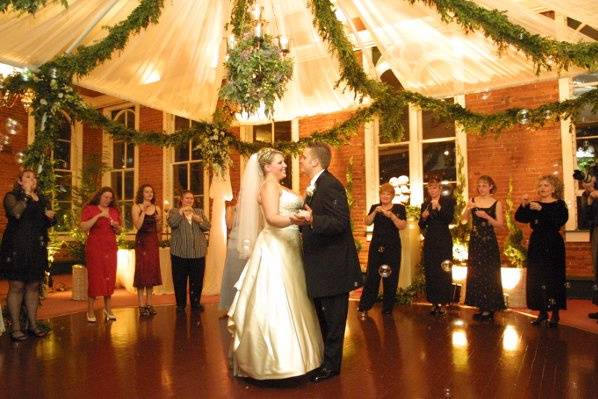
(554, 319)
(542, 317)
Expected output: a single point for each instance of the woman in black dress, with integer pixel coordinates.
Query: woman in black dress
(484, 286)
(385, 249)
(546, 250)
(436, 215)
(24, 251)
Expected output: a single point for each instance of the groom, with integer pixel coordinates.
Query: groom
(331, 264)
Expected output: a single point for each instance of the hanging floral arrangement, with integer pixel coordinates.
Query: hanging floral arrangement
(258, 66)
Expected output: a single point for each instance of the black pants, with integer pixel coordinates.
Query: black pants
(184, 269)
(390, 256)
(332, 314)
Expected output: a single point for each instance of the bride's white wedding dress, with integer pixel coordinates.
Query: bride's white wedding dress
(275, 328)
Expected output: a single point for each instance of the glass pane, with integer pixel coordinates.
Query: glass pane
(117, 183)
(64, 131)
(130, 155)
(62, 154)
(405, 123)
(586, 152)
(393, 162)
(282, 131)
(130, 119)
(181, 152)
(196, 178)
(118, 154)
(435, 128)
(439, 160)
(181, 123)
(587, 131)
(179, 178)
(196, 152)
(129, 185)
(63, 186)
(262, 133)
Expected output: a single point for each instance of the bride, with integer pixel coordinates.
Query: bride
(273, 322)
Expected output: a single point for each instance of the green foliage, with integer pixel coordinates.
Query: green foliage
(54, 94)
(460, 231)
(406, 295)
(257, 73)
(28, 6)
(545, 53)
(514, 249)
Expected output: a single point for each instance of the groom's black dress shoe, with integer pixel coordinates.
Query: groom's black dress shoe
(323, 374)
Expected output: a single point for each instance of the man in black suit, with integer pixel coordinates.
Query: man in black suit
(331, 265)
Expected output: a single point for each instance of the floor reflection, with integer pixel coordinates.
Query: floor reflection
(407, 354)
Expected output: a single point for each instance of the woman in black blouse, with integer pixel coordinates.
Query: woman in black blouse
(385, 249)
(546, 249)
(436, 215)
(24, 251)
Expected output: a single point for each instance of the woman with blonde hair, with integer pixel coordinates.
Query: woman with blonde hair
(484, 286)
(385, 249)
(275, 329)
(546, 250)
(435, 217)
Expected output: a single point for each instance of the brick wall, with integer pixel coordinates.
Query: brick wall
(150, 157)
(521, 154)
(9, 169)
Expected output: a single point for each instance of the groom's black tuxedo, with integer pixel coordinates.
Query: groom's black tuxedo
(331, 263)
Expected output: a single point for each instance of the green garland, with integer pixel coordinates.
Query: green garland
(331, 30)
(52, 85)
(545, 53)
(461, 229)
(28, 6)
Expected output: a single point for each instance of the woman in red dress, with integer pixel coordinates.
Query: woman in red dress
(101, 218)
(146, 219)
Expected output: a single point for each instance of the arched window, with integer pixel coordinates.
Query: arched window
(188, 172)
(122, 173)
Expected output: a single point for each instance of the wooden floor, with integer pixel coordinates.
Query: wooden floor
(410, 354)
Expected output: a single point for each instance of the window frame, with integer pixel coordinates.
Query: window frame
(108, 155)
(168, 162)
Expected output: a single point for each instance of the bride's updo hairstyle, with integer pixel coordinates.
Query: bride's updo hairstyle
(265, 156)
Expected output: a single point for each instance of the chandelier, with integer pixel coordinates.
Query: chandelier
(257, 63)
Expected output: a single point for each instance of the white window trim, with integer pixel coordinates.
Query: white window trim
(107, 142)
(76, 155)
(246, 135)
(108, 155)
(416, 141)
(168, 160)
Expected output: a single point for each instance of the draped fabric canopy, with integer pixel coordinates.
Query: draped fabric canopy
(176, 65)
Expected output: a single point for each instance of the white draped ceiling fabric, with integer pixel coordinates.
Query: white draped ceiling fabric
(176, 65)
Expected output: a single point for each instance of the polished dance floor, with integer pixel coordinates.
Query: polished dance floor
(410, 354)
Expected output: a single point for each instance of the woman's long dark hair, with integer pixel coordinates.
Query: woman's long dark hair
(139, 195)
(95, 200)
